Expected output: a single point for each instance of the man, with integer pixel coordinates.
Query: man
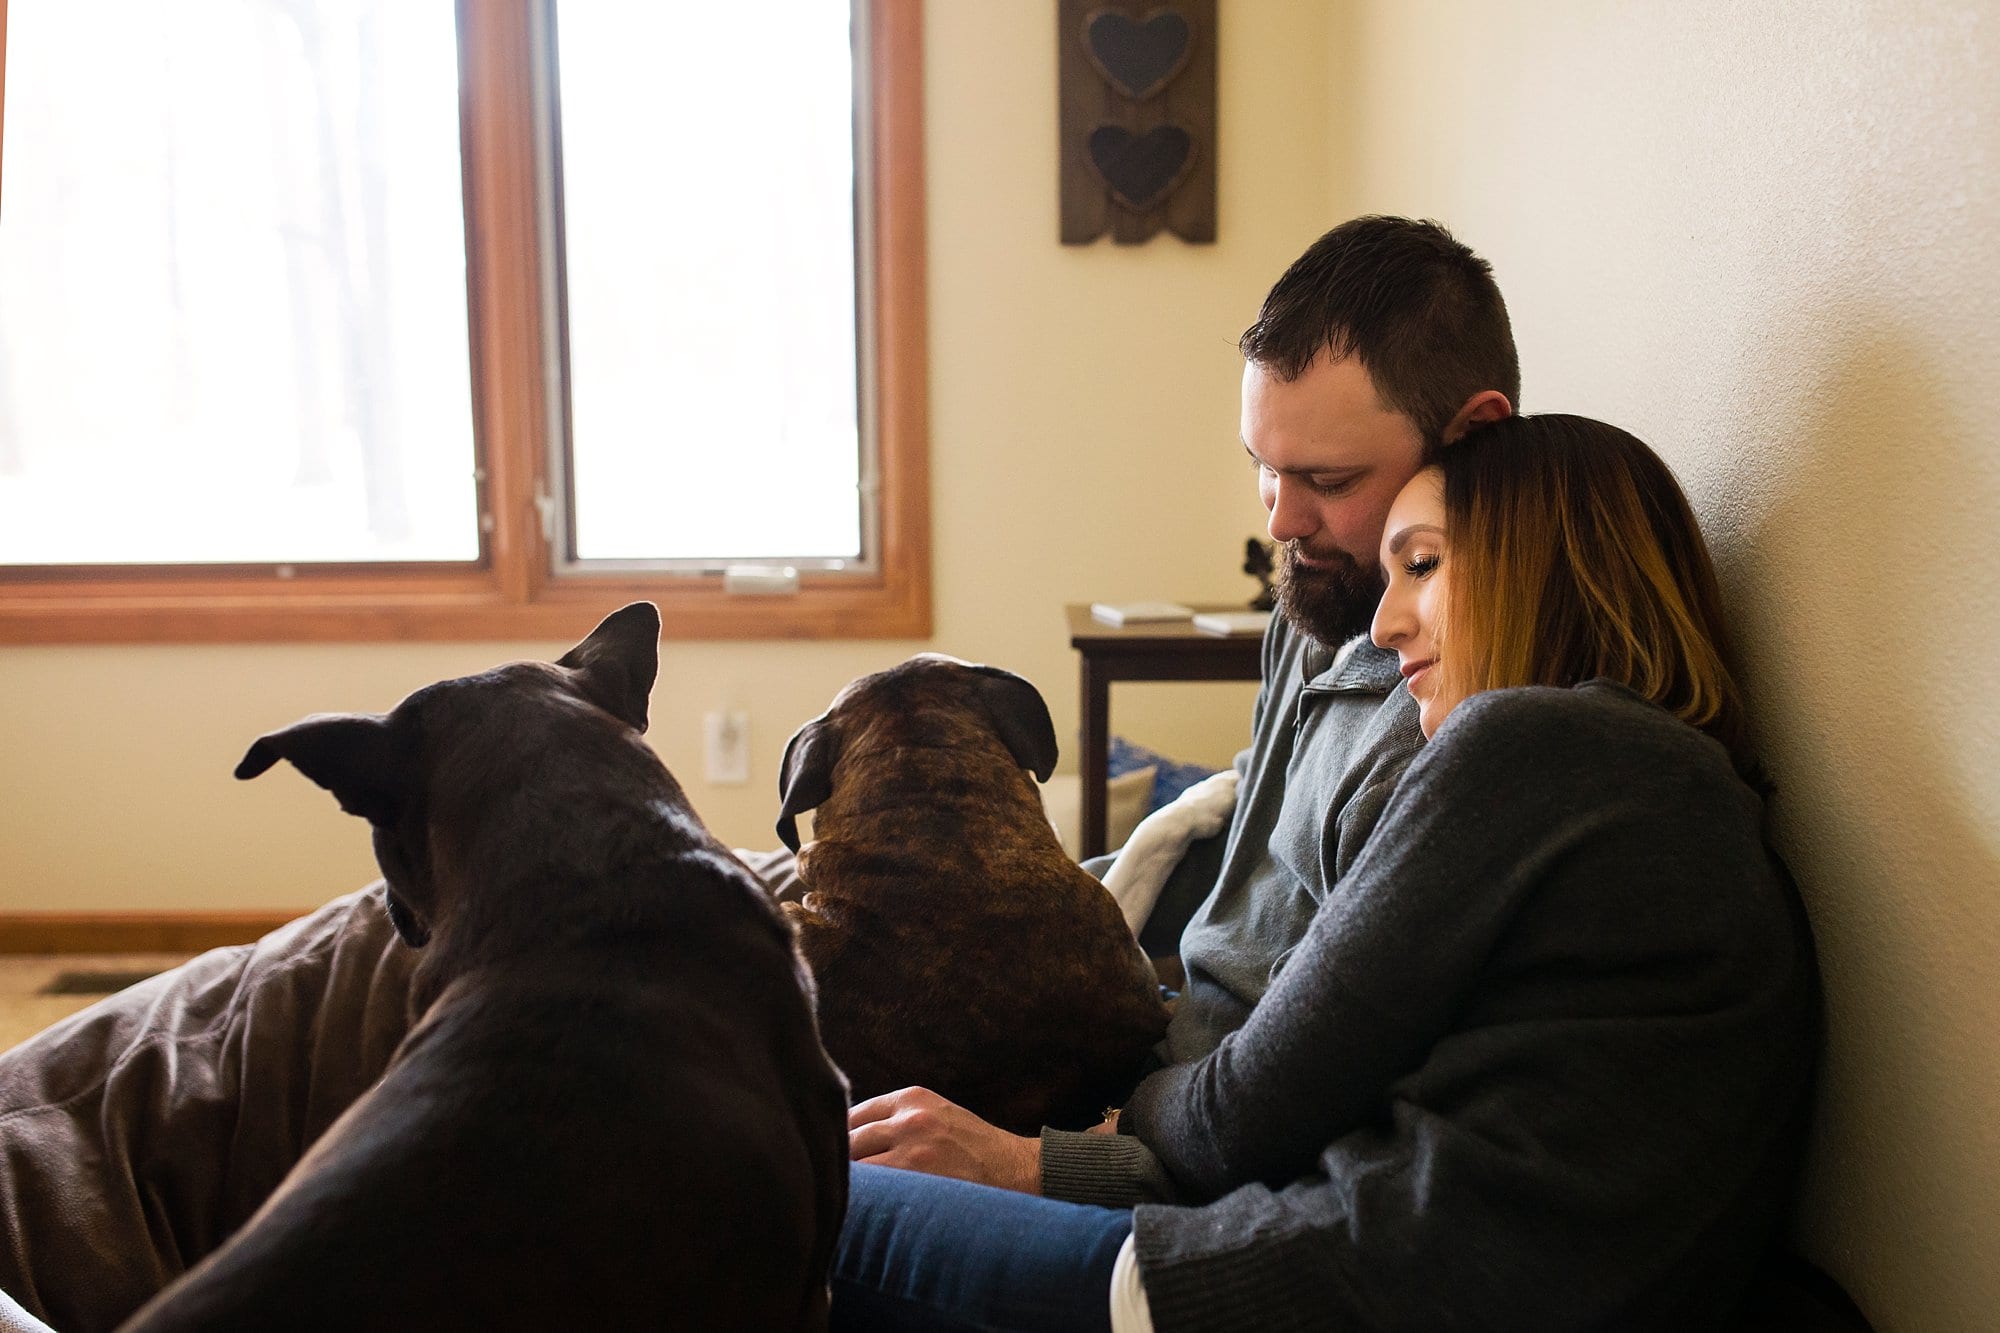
(1383, 342)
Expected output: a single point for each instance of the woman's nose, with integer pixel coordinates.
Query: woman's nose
(1393, 622)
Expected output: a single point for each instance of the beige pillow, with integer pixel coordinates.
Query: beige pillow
(1128, 797)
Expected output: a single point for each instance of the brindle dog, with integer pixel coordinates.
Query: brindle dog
(614, 1111)
(955, 945)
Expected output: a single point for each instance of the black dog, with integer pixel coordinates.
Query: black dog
(614, 1111)
(954, 943)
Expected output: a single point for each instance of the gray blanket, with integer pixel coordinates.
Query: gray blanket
(128, 1150)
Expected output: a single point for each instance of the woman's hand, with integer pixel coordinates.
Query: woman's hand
(918, 1130)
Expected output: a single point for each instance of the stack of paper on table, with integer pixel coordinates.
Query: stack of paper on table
(1232, 623)
(1134, 613)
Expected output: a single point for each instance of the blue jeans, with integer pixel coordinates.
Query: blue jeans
(924, 1252)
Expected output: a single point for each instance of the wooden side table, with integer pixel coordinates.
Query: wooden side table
(1170, 650)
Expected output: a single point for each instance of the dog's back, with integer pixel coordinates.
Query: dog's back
(568, 1148)
(614, 1110)
(953, 942)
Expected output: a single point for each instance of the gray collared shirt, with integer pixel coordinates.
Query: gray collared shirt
(1333, 731)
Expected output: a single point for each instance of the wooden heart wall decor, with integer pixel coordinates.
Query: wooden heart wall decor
(1136, 79)
(1138, 59)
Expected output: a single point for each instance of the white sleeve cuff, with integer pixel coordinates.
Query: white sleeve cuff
(1129, 1311)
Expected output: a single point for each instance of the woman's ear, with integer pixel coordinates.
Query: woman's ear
(1486, 405)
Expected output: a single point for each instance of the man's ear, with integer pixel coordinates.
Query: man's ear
(352, 755)
(805, 778)
(1484, 406)
(617, 662)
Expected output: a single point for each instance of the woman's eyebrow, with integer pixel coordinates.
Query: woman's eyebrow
(1402, 537)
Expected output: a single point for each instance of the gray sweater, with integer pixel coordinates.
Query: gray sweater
(1541, 1060)
(1332, 734)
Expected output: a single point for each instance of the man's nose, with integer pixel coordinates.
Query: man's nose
(1292, 514)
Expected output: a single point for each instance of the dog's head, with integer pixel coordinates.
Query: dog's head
(928, 687)
(441, 750)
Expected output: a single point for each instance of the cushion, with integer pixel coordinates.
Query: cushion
(1129, 797)
(1170, 776)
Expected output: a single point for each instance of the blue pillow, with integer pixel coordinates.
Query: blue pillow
(1171, 777)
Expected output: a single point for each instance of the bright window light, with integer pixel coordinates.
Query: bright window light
(232, 285)
(233, 315)
(708, 196)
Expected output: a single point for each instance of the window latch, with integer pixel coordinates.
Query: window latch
(545, 505)
(760, 580)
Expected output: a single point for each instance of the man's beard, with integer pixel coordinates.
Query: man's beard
(1331, 602)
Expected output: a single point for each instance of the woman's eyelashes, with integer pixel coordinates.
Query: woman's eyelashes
(1420, 566)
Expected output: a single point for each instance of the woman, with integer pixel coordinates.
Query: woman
(1542, 1060)
(1581, 560)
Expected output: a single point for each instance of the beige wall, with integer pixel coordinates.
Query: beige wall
(1762, 236)
(1083, 445)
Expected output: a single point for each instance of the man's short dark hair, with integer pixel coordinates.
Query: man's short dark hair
(1421, 311)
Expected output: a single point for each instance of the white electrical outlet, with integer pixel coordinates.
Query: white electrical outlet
(726, 747)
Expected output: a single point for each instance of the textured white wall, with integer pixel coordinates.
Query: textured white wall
(1762, 237)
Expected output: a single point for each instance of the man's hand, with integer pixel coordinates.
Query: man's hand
(920, 1131)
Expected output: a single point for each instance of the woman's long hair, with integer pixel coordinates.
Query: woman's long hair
(1577, 557)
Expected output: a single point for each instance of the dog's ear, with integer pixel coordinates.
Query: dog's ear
(805, 779)
(618, 661)
(353, 755)
(1021, 716)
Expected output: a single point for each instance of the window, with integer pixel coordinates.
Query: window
(391, 375)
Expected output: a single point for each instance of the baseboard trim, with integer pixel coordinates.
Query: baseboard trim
(132, 932)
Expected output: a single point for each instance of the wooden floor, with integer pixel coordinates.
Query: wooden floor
(26, 1007)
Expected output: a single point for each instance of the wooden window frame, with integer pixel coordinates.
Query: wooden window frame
(510, 592)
